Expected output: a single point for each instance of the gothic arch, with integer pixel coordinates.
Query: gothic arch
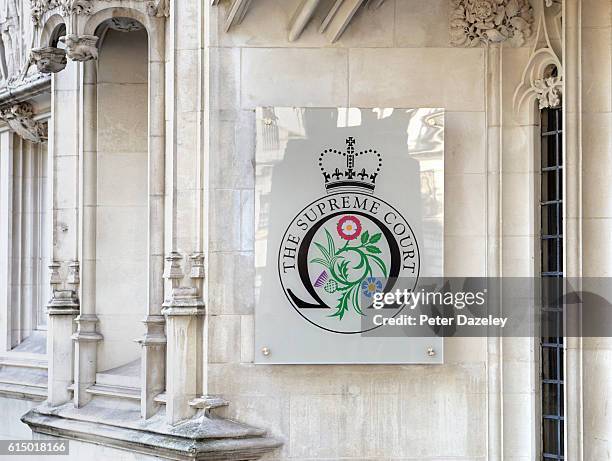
(52, 29)
(152, 24)
(537, 82)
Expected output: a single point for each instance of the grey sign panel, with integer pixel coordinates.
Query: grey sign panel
(349, 203)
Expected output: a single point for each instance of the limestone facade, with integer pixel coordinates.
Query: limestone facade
(127, 144)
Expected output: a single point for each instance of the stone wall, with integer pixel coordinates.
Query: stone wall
(596, 120)
(11, 410)
(397, 56)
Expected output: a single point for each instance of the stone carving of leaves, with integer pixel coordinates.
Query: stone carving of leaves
(474, 22)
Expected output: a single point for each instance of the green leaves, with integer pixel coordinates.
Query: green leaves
(323, 251)
(343, 268)
(367, 240)
(380, 263)
(331, 246)
(328, 253)
(349, 278)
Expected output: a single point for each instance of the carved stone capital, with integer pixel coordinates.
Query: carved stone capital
(548, 91)
(86, 329)
(40, 7)
(154, 335)
(66, 8)
(474, 22)
(158, 8)
(49, 59)
(63, 302)
(19, 118)
(80, 47)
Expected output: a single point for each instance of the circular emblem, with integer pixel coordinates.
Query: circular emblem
(344, 248)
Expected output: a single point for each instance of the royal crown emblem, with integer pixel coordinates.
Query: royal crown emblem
(350, 170)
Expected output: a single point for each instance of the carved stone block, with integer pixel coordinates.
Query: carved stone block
(81, 47)
(473, 22)
(158, 8)
(49, 59)
(548, 91)
(19, 118)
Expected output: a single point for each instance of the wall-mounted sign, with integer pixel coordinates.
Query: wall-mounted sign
(349, 203)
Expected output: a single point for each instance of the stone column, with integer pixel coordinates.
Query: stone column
(6, 211)
(63, 182)
(153, 364)
(184, 305)
(183, 311)
(86, 338)
(572, 232)
(62, 309)
(494, 365)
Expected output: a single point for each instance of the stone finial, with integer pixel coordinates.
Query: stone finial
(80, 47)
(173, 270)
(473, 22)
(74, 277)
(548, 91)
(197, 266)
(20, 118)
(49, 59)
(54, 276)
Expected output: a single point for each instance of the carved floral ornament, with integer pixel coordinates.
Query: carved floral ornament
(542, 77)
(157, 8)
(66, 8)
(548, 91)
(474, 22)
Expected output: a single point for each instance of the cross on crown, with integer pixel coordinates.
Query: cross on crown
(350, 169)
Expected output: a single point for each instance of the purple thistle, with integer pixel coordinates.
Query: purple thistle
(321, 279)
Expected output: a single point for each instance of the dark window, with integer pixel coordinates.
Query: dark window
(551, 208)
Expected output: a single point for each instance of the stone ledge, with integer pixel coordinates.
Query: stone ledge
(26, 90)
(23, 379)
(22, 392)
(202, 438)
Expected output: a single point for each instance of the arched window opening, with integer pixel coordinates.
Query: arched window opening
(59, 31)
(121, 194)
(552, 339)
